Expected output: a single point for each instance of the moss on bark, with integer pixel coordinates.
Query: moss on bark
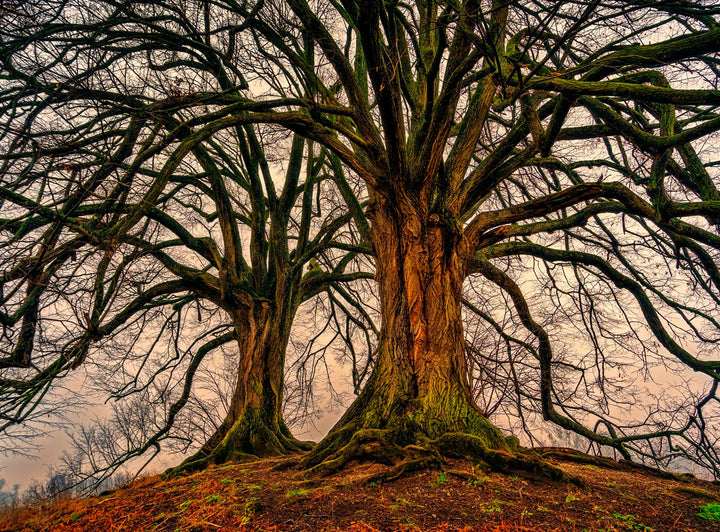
(252, 436)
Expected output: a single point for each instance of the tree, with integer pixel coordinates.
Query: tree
(565, 145)
(460, 119)
(142, 233)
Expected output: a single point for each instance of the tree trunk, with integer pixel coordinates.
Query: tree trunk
(419, 387)
(253, 426)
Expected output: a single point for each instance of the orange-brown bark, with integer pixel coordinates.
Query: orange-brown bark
(419, 388)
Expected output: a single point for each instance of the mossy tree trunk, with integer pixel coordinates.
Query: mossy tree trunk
(254, 425)
(419, 387)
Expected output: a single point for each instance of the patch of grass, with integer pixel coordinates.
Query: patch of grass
(441, 478)
(710, 512)
(570, 498)
(297, 493)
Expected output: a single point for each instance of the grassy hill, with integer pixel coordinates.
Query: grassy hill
(270, 495)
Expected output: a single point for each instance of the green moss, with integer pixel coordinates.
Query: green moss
(254, 435)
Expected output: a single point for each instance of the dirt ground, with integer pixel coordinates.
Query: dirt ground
(270, 495)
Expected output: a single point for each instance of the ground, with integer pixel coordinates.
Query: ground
(270, 495)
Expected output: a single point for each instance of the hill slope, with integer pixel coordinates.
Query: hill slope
(270, 495)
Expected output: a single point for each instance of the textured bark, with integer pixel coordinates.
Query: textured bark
(253, 426)
(419, 388)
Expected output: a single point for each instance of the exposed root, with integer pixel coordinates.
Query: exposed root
(405, 467)
(291, 462)
(378, 445)
(194, 464)
(366, 444)
(244, 442)
(573, 455)
(303, 446)
(468, 446)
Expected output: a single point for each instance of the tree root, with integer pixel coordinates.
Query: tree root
(191, 466)
(573, 455)
(468, 446)
(264, 442)
(373, 444)
(406, 466)
(378, 445)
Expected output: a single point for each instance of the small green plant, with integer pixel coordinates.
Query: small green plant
(184, 505)
(612, 485)
(297, 493)
(491, 507)
(710, 512)
(213, 498)
(631, 522)
(400, 502)
(515, 478)
(75, 516)
(248, 510)
(570, 498)
(526, 513)
(226, 481)
(441, 478)
(373, 484)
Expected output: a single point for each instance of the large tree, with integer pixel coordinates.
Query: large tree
(571, 132)
(140, 234)
(504, 143)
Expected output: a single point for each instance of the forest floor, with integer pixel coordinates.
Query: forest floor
(263, 496)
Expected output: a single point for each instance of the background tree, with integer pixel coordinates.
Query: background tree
(147, 223)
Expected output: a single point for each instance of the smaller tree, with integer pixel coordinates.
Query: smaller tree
(146, 225)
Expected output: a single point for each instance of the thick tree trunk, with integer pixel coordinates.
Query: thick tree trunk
(419, 387)
(253, 426)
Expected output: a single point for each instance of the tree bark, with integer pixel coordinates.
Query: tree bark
(419, 387)
(254, 425)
